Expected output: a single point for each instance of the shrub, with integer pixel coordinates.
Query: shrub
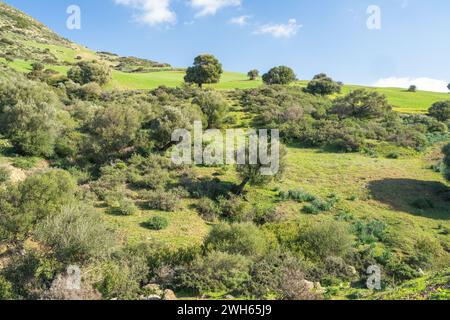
(296, 195)
(214, 107)
(361, 104)
(126, 207)
(208, 209)
(157, 223)
(279, 274)
(440, 110)
(218, 272)
(122, 276)
(323, 85)
(320, 205)
(85, 72)
(24, 163)
(371, 232)
(233, 208)
(76, 234)
(244, 238)
(323, 239)
(163, 200)
(4, 175)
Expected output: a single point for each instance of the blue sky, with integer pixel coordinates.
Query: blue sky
(412, 46)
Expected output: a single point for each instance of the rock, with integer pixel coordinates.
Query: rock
(153, 297)
(229, 297)
(352, 270)
(318, 287)
(308, 284)
(169, 295)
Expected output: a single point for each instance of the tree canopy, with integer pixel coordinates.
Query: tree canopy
(206, 69)
(279, 75)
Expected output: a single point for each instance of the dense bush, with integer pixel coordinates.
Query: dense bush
(440, 110)
(34, 199)
(122, 276)
(324, 239)
(244, 238)
(113, 129)
(29, 116)
(218, 272)
(163, 200)
(156, 223)
(208, 209)
(76, 234)
(361, 104)
(323, 85)
(281, 275)
(85, 72)
(4, 175)
(214, 107)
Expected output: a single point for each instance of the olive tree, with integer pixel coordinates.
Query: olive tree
(206, 69)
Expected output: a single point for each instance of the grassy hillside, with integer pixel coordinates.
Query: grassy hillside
(24, 40)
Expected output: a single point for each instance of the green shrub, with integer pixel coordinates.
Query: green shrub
(296, 195)
(320, 205)
(234, 208)
(370, 232)
(157, 223)
(85, 72)
(126, 207)
(122, 276)
(163, 200)
(208, 209)
(243, 238)
(76, 234)
(4, 175)
(24, 163)
(440, 110)
(323, 239)
(218, 272)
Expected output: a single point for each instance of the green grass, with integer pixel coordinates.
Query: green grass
(152, 80)
(402, 101)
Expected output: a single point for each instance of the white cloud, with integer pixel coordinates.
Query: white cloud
(240, 21)
(426, 84)
(280, 30)
(210, 7)
(152, 12)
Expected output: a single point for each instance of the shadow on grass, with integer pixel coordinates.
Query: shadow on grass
(430, 199)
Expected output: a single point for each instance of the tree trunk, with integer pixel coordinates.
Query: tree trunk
(240, 188)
